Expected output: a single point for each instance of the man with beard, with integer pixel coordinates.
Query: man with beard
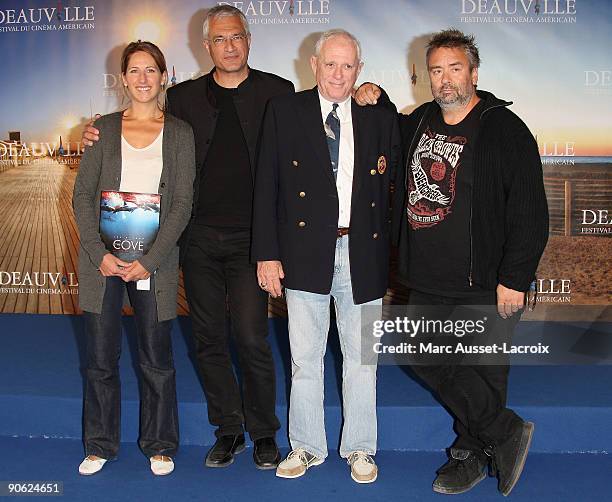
(472, 222)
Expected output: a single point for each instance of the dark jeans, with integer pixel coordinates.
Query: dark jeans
(102, 403)
(475, 395)
(217, 273)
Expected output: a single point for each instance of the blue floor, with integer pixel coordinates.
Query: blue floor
(41, 356)
(40, 427)
(403, 476)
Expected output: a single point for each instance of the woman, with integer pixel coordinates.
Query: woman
(140, 150)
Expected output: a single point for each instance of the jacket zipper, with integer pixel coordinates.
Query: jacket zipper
(416, 132)
(470, 280)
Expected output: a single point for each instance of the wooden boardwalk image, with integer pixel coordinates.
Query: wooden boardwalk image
(40, 241)
(40, 244)
(38, 251)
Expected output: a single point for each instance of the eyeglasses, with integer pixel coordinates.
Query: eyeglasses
(238, 37)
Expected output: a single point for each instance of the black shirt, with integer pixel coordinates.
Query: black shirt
(438, 207)
(226, 186)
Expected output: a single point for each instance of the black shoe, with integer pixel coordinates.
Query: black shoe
(223, 451)
(508, 458)
(463, 471)
(266, 454)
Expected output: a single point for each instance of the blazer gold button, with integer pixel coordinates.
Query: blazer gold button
(375, 235)
(373, 172)
(295, 163)
(373, 204)
(302, 224)
(302, 194)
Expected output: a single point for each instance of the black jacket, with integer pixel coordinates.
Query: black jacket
(509, 215)
(193, 101)
(296, 205)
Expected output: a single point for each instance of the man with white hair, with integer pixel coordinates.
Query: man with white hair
(320, 229)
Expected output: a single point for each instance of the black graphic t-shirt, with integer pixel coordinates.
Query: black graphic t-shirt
(438, 206)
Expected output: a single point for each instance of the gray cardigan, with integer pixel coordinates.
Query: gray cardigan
(100, 170)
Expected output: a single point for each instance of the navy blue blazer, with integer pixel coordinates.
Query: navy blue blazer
(295, 212)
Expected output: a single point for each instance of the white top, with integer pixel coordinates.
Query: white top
(346, 157)
(141, 167)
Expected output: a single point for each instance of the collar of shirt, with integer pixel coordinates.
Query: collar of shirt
(344, 108)
(243, 87)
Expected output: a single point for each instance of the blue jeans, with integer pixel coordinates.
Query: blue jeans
(102, 399)
(308, 327)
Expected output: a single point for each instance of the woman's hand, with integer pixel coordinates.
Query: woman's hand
(135, 272)
(111, 265)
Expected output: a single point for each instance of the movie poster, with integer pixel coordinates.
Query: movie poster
(129, 223)
(61, 65)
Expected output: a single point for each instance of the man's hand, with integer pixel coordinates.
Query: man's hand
(509, 301)
(90, 133)
(269, 275)
(367, 94)
(111, 265)
(135, 272)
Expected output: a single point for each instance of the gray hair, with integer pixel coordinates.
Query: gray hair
(337, 32)
(220, 11)
(453, 38)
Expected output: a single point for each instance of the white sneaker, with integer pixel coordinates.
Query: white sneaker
(161, 467)
(363, 467)
(91, 465)
(296, 464)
